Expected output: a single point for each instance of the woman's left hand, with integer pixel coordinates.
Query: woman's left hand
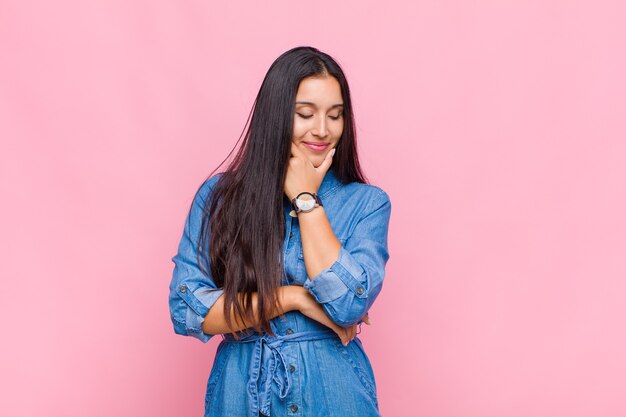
(302, 175)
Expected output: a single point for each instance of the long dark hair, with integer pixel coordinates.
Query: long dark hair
(244, 233)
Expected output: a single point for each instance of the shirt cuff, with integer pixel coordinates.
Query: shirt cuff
(344, 275)
(199, 302)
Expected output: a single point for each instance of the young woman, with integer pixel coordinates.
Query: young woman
(284, 253)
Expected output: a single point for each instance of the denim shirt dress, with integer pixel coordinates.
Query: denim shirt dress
(303, 370)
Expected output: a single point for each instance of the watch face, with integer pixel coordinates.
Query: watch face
(305, 202)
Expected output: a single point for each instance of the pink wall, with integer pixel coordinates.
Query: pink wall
(497, 128)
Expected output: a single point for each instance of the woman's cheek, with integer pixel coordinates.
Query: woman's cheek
(299, 130)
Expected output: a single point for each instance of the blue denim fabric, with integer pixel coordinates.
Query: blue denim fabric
(304, 370)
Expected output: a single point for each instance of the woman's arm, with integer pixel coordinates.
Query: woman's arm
(346, 279)
(215, 320)
(291, 297)
(319, 244)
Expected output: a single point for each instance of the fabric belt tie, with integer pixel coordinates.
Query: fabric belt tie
(267, 354)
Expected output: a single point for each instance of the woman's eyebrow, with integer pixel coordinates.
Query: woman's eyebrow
(313, 104)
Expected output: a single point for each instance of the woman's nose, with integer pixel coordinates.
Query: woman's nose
(321, 129)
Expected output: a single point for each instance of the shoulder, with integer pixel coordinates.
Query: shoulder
(353, 202)
(205, 189)
(373, 195)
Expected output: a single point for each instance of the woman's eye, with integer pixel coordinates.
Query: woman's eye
(304, 116)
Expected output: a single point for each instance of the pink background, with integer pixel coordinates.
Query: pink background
(497, 128)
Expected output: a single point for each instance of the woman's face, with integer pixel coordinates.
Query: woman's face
(318, 117)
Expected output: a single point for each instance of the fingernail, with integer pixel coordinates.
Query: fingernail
(333, 151)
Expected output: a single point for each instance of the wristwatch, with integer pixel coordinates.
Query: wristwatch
(305, 202)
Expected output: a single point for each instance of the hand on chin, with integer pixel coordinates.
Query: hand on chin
(305, 171)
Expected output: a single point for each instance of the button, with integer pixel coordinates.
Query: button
(183, 288)
(289, 331)
(292, 368)
(294, 408)
(359, 290)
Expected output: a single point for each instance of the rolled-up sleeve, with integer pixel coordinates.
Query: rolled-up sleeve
(349, 287)
(192, 293)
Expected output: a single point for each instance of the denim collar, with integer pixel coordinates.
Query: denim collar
(329, 182)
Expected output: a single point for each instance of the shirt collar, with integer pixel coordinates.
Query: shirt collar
(329, 182)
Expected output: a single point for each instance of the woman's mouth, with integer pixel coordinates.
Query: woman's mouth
(317, 147)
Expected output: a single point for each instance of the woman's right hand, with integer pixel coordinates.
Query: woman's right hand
(307, 305)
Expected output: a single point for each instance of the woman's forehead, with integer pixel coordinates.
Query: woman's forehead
(317, 90)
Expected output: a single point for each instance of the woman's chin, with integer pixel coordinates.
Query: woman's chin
(316, 161)
(316, 158)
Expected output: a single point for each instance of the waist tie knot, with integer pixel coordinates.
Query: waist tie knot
(267, 355)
